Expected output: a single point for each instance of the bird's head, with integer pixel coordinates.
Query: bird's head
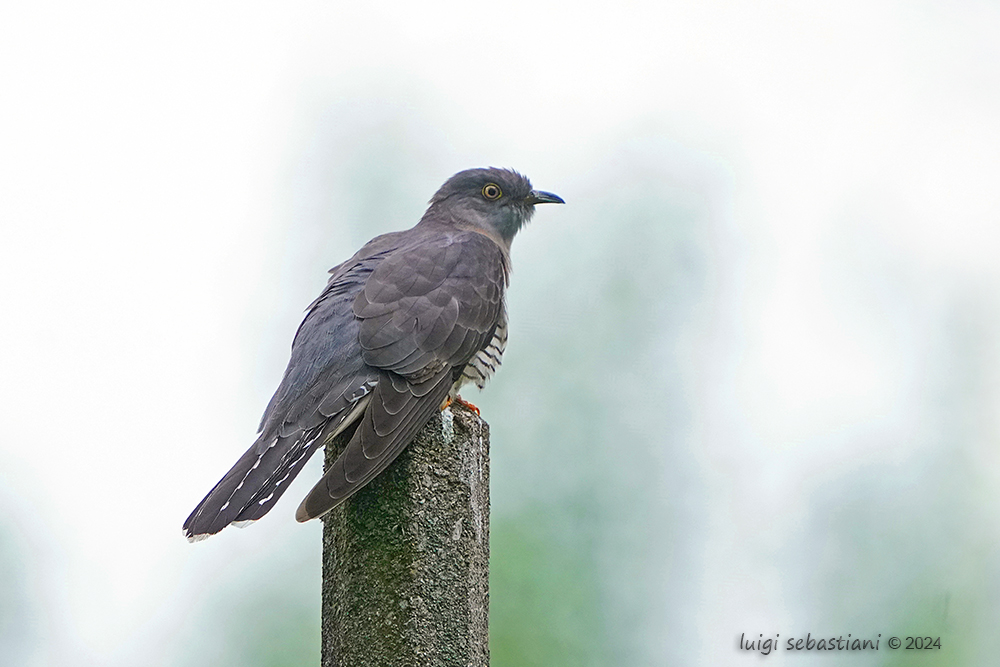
(497, 200)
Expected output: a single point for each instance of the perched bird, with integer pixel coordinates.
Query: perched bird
(399, 328)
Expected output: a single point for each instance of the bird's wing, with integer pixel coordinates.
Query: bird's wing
(424, 312)
(325, 387)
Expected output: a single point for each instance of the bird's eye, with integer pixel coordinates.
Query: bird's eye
(492, 191)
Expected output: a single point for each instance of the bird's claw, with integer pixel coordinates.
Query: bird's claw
(458, 400)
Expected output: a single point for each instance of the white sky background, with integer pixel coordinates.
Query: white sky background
(144, 165)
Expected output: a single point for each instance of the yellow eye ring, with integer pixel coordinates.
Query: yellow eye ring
(492, 191)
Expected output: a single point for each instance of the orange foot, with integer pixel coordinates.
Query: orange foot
(458, 400)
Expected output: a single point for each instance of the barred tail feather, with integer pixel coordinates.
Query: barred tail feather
(250, 489)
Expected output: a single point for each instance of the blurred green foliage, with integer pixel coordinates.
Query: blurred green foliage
(264, 613)
(544, 596)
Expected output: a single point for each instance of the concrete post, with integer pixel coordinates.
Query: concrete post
(406, 559)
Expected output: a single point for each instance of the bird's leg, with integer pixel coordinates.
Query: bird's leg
(458, 400)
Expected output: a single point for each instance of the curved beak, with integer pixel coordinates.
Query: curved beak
(540, 197)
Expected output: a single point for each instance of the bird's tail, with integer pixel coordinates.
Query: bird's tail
(250, 489)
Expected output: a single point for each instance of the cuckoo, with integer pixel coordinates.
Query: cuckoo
(399, 328)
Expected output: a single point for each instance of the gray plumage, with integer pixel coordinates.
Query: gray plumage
(402, 324)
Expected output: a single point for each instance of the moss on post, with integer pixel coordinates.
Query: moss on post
(406, 559)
